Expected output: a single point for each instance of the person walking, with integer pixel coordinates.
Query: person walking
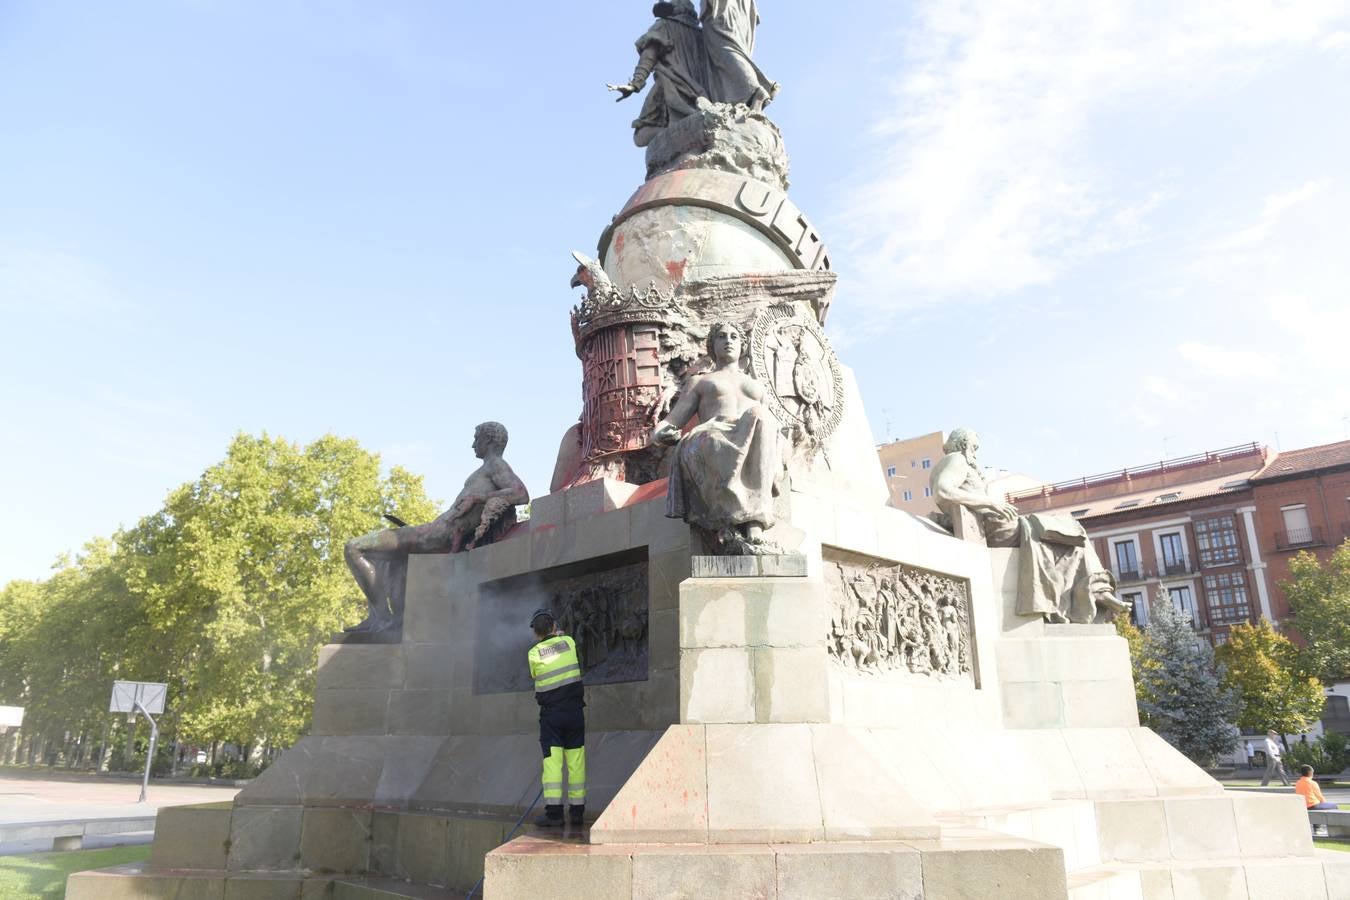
(1251, 755)
(1274, 760)
(562, 722)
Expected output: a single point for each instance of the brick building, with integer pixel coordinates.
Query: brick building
(1216, 530)
(908, 465)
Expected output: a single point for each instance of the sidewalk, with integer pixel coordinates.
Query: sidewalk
(42, 796)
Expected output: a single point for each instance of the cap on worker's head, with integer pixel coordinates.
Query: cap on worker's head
(1273, 733)
(540, 613)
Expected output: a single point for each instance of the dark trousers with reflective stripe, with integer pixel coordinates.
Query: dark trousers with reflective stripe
(562, 737)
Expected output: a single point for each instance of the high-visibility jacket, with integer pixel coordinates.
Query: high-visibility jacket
(554, 664)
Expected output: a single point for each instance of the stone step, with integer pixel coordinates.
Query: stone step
(1230, 826)
(1068, 824)
(1321, 877)
(135, 882)
(964, 863)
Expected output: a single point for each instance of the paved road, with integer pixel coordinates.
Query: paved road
(38, 796)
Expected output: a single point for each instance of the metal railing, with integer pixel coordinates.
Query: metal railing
(1298, 537)
(1177, 567)
(1126, 576)
(1158, 468)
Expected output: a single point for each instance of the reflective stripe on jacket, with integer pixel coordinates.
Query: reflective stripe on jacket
(554, 663)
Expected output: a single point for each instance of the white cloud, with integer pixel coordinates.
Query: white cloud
(1227, 362)
(989, 182)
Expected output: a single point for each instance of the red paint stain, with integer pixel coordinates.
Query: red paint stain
(676, 269)
(618, 242)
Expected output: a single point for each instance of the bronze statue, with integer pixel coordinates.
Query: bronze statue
(484, 511)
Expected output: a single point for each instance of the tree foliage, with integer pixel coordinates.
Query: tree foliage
(226, 592)
(1135, 640)
(1319, 596)
(1185, 700)
(1264, 668)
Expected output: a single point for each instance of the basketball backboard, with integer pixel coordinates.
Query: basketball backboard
(149, 693)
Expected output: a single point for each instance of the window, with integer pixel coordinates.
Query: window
(1217, 540)
(928, 492)
(1296, 526)
(909, 495)
(1220, 638)
(1138, 612)
(1127, 560)
(1226, 595)
(1173, 556)
(1182, 600)
(927, 463)
(1127, 504)
(890, 471)
(1167, 498)
(1233, 485)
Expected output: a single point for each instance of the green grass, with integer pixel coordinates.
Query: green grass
(42, 876)
(1329, 844)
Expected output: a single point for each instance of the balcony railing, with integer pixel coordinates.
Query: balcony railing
(1125, 576)
(1177, 567)
(1298, 537)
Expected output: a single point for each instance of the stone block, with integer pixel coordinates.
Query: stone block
(1172, 773)
(1132, 830)
(963, 868)
(423, 848)
(791, 684)
(788, 565)
(531, 867)
(549, 509)
(1201, 827)
(1032, 704)
(336, 840)
(126, 883)
(407, 761)
(897, 534)
(855, 530)
(717, 685)
(1019, 660)
(665, 573)
(507, 557)
(1336, 869)
(813, 515)
(867, 792)
(350, 712)
(1108, 762)
(653, 529)
(1048, 751)
(1100, 704)
(1156, 884)
(689, 873)
(261, 887)
(596, 497)
(264, 837)
(383, 858)
(355, 666)
(1271, 825)
(419, 712)
(886, 872)
(550, 545)
(752, 799)
(426, 613)
(663, 639)
(761, 612)
(471, 839)
(601, 535)
(191, 837)
(1209, 882)
(428, 667)
(321, 770)
(1286, 880)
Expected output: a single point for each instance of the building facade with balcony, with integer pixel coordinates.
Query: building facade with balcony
(1215, 531)
(1184, 527)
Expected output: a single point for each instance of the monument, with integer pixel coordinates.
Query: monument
(793, 690)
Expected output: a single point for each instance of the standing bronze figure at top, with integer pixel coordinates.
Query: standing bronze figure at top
(696, 57)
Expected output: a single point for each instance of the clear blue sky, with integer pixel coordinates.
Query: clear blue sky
(1084, 229)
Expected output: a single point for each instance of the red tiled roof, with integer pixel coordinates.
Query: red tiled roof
(1309, 459)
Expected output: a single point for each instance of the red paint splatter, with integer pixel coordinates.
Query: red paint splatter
(676, 269)
(618, 242)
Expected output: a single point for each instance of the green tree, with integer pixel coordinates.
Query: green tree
(1185, 701)
(243, 579)
(1319, 596)
(1264, 667)
(1134, 638)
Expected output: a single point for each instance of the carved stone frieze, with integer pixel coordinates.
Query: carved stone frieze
(888, 617)
(604, 611)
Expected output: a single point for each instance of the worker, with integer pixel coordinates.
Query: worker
(562, 723)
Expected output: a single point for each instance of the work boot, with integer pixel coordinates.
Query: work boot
(576, 815)
(552, 817)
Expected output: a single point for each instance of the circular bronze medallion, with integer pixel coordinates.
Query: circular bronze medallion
(791, 357)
